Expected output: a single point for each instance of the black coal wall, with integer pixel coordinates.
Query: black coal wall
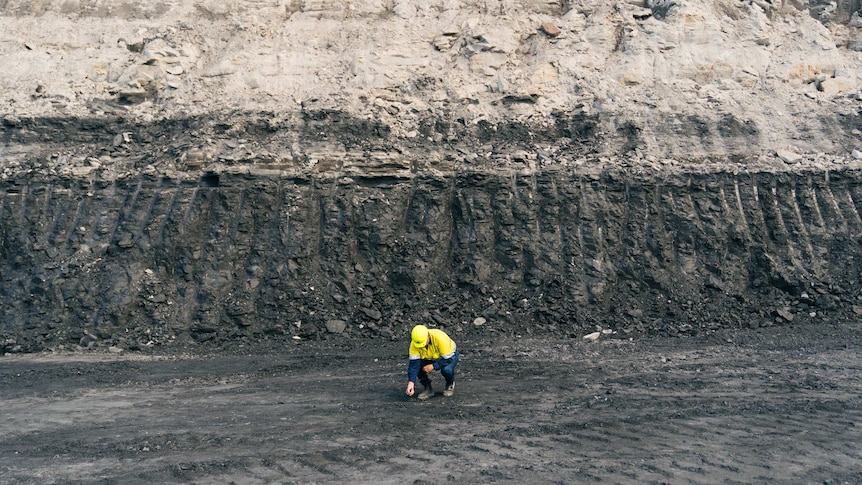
(240, 258)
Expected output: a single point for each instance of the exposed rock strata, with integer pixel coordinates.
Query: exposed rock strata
(246, 254)
(220, 171)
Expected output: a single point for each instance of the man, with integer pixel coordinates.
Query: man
(430, 350)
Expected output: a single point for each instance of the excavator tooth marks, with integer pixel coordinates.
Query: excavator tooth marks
(572, 240)
(596, 268)
(796, 227)
(57, 210)
(544, 245)
(830, 205)
(845, 200)
(123, 231)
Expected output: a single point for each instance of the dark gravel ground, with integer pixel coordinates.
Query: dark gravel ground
(770, 405)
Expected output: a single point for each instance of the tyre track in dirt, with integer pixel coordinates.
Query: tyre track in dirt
(758, 406)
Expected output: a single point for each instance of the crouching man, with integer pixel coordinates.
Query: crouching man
(430, 350)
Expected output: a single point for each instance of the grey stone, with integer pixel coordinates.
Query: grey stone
(336, 326)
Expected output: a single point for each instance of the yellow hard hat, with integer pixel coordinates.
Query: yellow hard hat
(419, 335)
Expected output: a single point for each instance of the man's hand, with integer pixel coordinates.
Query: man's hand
(428, 368)
(410, 388)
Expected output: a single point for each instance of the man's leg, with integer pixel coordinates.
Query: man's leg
(425, 381)
(448, 372)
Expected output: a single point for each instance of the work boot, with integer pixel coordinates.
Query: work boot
(450, 389)
(428, 392)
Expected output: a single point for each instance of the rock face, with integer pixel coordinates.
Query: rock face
(196, 171)
(236, 256)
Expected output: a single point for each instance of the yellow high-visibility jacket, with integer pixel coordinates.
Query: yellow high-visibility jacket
(441, 346)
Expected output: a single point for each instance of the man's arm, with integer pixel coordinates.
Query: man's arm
(413, 369)
(412, 373)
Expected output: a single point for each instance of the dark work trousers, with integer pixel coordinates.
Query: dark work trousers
(445, 366)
